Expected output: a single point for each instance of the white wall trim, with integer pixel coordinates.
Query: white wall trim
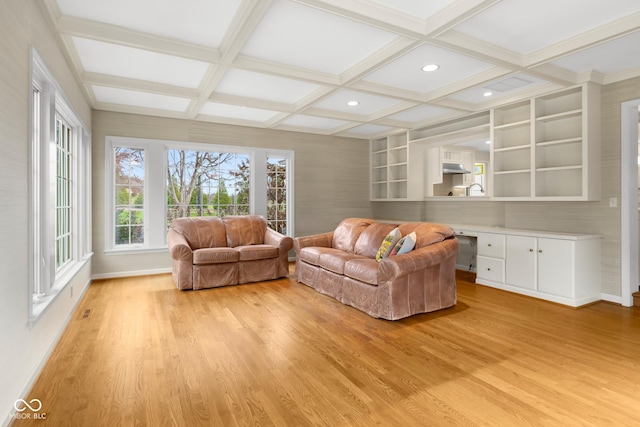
(629, 200)
(611, 298)
(134, 273)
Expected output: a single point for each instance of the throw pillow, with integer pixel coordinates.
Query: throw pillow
(404, 245)
(388, 243)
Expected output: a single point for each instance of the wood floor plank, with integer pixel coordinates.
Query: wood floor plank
(138, 352)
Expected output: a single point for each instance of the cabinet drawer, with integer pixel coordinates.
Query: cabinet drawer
(491, 269)
(491, 245)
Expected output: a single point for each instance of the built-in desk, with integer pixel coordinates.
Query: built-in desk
(559, 267)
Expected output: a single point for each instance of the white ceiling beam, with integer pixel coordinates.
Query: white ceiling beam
(382, 57)
(281, 70)
(138, 85)
(126, 37)
(602, 34)
(244, 101)
(245, 21)
(455, 14)
(373, 14)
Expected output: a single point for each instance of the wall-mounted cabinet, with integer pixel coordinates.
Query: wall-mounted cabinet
(548, 148)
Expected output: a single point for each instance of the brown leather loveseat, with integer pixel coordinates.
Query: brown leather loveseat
(342, 264)
(209, 252)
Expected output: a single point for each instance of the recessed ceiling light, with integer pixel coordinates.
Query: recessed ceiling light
(430, 67)
(352, 103)
(487, 93)
(487, 142)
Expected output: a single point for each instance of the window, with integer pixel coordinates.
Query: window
(129, 196)
(151, 182)
(277, 193)
(60, 180)
(64, 189)
(207, 183)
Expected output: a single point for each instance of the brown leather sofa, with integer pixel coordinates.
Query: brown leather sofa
(342, 264)
(209, 252)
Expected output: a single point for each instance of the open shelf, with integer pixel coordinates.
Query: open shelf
(512, 115)
(559, 182)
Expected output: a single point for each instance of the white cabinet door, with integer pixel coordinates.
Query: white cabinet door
(556, 266)
(521, 261)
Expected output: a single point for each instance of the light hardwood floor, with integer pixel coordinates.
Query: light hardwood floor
(139, 352)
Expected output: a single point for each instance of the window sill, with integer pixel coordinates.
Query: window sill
(140, 250)
(40, 306)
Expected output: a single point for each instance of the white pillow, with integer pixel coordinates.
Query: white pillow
(404, 245)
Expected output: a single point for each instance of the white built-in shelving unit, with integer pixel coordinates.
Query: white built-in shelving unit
(547, 148)
(544, 148)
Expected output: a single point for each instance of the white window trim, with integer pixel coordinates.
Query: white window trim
(42, 272)
(155, 207)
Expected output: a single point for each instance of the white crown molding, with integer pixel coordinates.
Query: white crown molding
(139, 85)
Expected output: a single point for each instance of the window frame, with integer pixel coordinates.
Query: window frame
(155, 206)
(46, 281)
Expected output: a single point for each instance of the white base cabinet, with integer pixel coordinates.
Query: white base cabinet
(551, 266)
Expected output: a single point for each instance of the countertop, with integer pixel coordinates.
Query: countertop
(473, 230)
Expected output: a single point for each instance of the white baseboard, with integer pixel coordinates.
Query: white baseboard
(131, 273)
(611, 298)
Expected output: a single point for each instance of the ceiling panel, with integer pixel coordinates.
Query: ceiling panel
(201, 22)
(294, 64)
(367, 103)
(508, 86)
(306, 37)
(406, 71)
(525, 26)
(611, 57)
(122, 61)
(263, 86)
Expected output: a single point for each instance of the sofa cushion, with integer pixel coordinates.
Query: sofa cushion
(201, 232)
(347, 233)
(334, 261)
(371, 238)
(245, 230)
(312, 254)
(215, 255)
(363, 269)
(255, 252)
(427, 233)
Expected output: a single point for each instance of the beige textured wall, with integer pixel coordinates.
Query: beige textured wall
(331, 175)
(24, 347)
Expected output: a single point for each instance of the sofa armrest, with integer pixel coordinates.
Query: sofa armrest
(179, 249)
(419, 259)
(323, 240)
(280, 241)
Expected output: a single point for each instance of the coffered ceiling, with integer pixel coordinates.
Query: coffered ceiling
(295, 65)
